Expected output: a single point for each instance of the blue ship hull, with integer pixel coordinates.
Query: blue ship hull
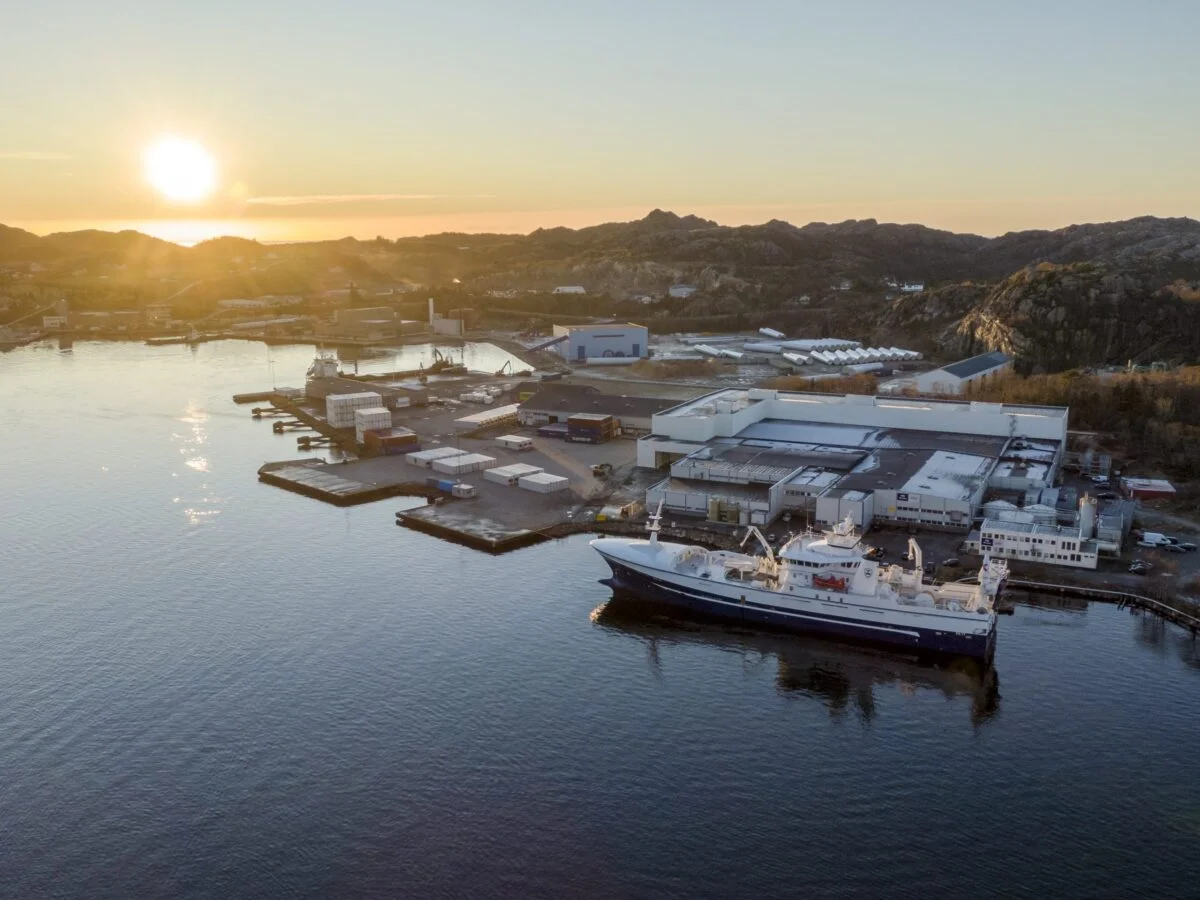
(921, 640)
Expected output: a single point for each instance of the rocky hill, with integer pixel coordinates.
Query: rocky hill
(1078, 295)
(1055, 317)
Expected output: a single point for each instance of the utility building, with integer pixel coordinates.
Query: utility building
(579, 343)
(954, 378)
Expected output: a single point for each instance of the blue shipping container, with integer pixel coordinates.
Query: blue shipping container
(447, 486)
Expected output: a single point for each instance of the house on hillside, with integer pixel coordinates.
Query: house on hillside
(569, 289)
(681, 291)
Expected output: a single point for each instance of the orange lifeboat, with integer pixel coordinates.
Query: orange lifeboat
(829, 582)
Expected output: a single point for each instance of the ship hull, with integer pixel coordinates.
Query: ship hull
(755, 608)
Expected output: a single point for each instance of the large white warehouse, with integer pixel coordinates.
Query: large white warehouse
(584, 342)
(954, 378)
(761, 453)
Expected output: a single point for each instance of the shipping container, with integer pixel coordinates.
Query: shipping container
(510, 475)
(464, 490)
(514, 442)
(544, 483)
(426, 458)
(469, 462)
(557, 430)
(594, 419)
(340, 408)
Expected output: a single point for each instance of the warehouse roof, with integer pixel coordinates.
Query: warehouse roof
(582, 399)
(965, 368)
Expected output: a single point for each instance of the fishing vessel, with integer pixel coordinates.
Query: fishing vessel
(820, 583)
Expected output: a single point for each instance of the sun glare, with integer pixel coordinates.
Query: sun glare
(180, 169)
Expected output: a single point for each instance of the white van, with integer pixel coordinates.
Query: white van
(1154, 539)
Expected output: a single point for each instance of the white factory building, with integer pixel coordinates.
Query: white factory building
(753, 455)
(954, 378)
(580, 343)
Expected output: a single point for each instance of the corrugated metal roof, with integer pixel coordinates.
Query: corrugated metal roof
(967, 367)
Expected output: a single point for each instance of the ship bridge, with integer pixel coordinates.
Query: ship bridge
(841, 546)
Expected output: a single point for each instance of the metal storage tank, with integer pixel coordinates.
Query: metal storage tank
(1087, 516)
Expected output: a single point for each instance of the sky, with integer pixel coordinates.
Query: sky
(409, 117)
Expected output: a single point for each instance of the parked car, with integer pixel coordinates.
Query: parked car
(1106, 495)
(1172, 548)
(950, 563)
(1099, 479)
(1139, 570)
(1187, 545)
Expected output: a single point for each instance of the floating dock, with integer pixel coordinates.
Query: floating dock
(336, 483)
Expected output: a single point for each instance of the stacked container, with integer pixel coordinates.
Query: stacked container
(370, 419)
(510, 475)
(391, 441)
(426, 458)
(468, 462)
(590, 428)
(340, 408)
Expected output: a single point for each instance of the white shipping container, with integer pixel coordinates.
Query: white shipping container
(468, 462)
(425, 458)
(495, 416)
(544, 483)
(340, 408)
(510, 474)
(514, 442)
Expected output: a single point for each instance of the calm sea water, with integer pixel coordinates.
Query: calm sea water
(211, 688)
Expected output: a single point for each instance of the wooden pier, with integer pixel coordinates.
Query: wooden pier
(1123, 599)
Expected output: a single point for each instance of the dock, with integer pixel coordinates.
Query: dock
(1171, 612)
(331, 483)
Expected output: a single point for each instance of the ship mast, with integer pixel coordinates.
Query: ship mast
(653, 524)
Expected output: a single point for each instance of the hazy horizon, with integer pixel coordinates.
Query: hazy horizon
(309, 228)
(469, 117)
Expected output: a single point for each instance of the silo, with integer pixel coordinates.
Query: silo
(1087, 517)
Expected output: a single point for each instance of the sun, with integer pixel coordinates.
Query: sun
(180, 169)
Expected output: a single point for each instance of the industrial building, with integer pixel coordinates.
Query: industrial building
(1050, 544)
(925, 463)
(954, 378)
(1148, 488)
(579, 343)
(375, 323)
(554, 402)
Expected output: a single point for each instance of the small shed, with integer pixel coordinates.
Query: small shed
(514, 442)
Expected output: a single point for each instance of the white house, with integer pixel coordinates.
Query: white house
(912, 287)
(682, 291)
(569, 289)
